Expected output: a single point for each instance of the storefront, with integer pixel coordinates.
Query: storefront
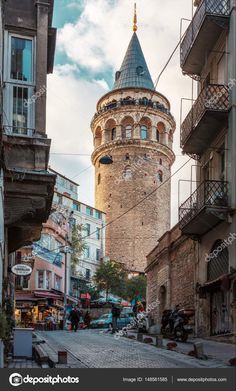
(35, 310)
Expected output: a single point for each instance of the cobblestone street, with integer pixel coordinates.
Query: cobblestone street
(97, 349)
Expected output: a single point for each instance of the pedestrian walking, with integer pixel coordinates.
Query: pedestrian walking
(115, 315)
(87, 319)
(74, 318)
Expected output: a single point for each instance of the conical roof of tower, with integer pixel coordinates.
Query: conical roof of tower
(134, 71)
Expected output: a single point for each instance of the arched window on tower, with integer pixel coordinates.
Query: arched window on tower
(144, 132)
(158, 136)
(128, 131)
(113, 134)
(160, 176)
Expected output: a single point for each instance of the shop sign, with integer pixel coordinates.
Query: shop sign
(21, 270)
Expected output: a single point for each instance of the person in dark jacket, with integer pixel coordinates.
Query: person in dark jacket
(87, 319)
(115, 315)
(74, 318)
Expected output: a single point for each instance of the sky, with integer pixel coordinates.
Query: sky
(92, 39)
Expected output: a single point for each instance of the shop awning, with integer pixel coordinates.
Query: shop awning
(25, 297)
(48, 295)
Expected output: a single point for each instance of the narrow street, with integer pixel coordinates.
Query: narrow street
(98, 349)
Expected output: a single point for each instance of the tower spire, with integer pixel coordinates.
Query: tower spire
(135, 27)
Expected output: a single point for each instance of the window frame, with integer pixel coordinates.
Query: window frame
(11, 83)
(142, 130)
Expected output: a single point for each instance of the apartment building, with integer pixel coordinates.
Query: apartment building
(208, 134)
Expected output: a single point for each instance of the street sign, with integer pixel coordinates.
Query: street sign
(21, 270)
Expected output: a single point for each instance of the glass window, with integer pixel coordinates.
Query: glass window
(98, 233)
(20, 110)
(48, 279)
(128, 131)
(40, 279)
(98, 214)
(87, 252)
(76, 206)
(87, 228)
(57, 282)
(97, 254)
(113, 134)
(89, 211)
(144, 132)
(87, 274)
(160, 176)
(21, 59)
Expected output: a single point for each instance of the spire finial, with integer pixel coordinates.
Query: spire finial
(135, 27)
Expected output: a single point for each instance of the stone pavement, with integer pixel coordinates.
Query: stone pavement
(98, 349)
(23, 363)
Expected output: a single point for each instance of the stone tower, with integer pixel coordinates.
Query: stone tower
(134, 126)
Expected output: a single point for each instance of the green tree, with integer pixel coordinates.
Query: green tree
(77, 246)
(110, 277)
(136, 286)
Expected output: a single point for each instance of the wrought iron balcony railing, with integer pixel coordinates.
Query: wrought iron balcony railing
(211, 194)
(215, 97)
(133, 102)
(213, 8)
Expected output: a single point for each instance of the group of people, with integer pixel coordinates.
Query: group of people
(75, 316)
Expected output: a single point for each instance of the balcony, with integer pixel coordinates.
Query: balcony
(114, 105)
(206, 118)
(205, 208)
(210, 19)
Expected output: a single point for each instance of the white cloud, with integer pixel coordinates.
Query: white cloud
(97, 42)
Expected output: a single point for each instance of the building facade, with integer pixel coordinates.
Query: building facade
(91, 221)
(133, 127)
(208, 54)
(42, 292)
(27, 45)
(170, 273)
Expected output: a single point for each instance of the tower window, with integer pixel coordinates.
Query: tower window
(160, 162)
(113, 134)
(144, 132)
(118, 73)
(160, 176)
(99, 179)
(127, 156)
(158, 136)
(140, 71)
(128, 131)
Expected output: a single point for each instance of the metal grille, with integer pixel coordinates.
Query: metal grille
(216, 8)
(209, 193)
(215, 97)
(219, 263)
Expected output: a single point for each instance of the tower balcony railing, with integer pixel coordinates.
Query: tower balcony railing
(205, 119)
(203, 32)
(132, 102)
(205, 208)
